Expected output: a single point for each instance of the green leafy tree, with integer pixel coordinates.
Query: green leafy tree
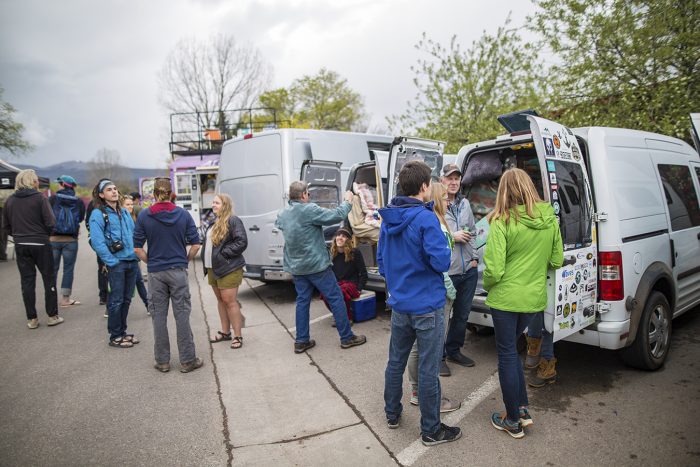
(11, 140)
(623, 63)
(323, 101)
(461, 92)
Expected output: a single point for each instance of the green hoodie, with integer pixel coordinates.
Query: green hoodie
(517, 257)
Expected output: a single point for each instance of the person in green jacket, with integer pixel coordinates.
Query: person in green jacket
(307, 259)
(524, 241)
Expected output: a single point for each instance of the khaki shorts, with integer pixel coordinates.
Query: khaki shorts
(229, 281)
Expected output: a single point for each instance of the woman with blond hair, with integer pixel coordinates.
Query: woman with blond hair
(524, 241)
(222, 255)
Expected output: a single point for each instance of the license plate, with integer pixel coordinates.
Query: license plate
(277, 275)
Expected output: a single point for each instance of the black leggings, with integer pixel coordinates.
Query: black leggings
(29, 258)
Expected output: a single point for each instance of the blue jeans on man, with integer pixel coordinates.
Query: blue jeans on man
(508, 327)
(428, 329)
(122, 281)
(537, 330)
(327, 284)
(69, 252)
(465, 284)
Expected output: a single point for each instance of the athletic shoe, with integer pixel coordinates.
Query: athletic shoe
(54, 320)
(353, 341)
(33, 323)
(191, 366)
(501, 423)
(460, 359)
(525, 418)
(447, 405)
(301, 347)
(414, 398)
(444, 369)
(393, 422)
(444, 435)
(162, 367)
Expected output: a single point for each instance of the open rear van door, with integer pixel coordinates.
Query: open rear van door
(406, 149)
(323, 181)
(572, 289)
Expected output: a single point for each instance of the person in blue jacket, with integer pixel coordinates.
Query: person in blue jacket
(412, 256)
(111, 236)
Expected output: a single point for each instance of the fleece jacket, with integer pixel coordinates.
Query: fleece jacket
(167, 229)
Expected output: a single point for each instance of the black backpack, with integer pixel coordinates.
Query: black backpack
(67, 214)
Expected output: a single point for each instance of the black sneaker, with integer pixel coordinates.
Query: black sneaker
(191, 366)
(353, 341)
(460, 359)
(501, 423)
(393, 422)
(444, 435)
(444, 369)
(301, 347)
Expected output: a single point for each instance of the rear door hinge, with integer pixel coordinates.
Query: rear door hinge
(600, 216)
(602, 307)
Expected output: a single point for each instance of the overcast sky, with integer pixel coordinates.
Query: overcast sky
(83, 74)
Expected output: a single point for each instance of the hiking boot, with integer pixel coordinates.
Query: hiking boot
(460, 359)
(444, 435)
(447, 405)
(301, 347)
(191, 366)
(546, 373)
(33, 323)
(533, 352)
(525, 418)
(414, 398)
(353, 341)
(501, 423)
(54, 320)
(393, 422)
(444, 369)
(162, 367)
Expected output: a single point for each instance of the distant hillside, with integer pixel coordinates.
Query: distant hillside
(81, 172)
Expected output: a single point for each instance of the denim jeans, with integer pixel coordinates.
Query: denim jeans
(122, 280)
(69, 252)
(466, 286)
(508, 327)
(536, 329)
(327, 284)
(29, 258)
(428, 330)
(413, 356)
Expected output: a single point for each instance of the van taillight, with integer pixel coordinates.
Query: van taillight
(610, 283)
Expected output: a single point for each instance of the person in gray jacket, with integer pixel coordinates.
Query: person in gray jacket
(463, 266)
(306, 258)
(222, 256)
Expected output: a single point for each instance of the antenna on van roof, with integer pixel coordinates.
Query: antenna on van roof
(516, 122)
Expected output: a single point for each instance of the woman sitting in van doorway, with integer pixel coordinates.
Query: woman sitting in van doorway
(222, 255)
(348, 267)
(524, 241)
(540, 353)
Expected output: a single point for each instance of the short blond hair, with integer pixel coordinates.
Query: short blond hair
(26, 178)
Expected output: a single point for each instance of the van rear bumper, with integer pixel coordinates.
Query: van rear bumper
(604, 334)
(264, 273)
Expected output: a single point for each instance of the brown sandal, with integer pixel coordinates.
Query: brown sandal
(220, 337)
(237, 342)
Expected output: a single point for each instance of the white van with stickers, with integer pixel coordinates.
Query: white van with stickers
(627, 204)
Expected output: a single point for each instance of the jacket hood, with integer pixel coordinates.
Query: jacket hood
(26, 192)
(165, 213)
(401, 211)
(543, 221)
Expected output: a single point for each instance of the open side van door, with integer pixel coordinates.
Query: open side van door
(406, 149)
(571, 289)
(323, 181)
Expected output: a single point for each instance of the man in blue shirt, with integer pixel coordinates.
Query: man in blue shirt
(168, 230)
(412, 255)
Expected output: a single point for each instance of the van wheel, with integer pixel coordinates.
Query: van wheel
(650, 348)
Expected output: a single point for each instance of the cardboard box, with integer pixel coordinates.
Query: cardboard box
(365, 306)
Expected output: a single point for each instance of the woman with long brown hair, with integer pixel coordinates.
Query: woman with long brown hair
(349, 268)
(524, 241)
(222, 255)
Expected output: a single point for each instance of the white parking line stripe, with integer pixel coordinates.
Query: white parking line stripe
(416, 449)
(316, 320)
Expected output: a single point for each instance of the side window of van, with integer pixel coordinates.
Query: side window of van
(681, 197)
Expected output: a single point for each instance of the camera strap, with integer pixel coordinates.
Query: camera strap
(105, 217)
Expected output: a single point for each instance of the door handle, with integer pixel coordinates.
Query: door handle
(569, 260)
(255, 228)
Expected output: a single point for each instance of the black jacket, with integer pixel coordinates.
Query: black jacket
(28, 217)
(228, 255)
(353, 271)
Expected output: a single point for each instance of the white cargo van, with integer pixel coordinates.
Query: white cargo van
(627, 202)
(256, 170)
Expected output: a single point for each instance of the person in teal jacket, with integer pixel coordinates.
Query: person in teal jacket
(307, 259)
(524, 242)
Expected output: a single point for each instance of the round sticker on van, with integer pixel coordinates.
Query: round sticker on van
(575, 152)
(556, 207)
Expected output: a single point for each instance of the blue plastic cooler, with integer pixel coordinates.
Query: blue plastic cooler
(364, 307)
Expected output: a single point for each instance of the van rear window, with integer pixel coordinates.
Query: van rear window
(572, 204)
(681, 197)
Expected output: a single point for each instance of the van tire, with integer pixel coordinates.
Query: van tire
(656, 319)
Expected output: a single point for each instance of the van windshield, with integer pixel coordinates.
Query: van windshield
(572, 203)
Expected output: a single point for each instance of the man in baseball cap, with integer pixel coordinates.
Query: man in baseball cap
(449, 169)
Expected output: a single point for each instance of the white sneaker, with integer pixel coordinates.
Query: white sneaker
(414, 398)
(54, 320)
(33, 323)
